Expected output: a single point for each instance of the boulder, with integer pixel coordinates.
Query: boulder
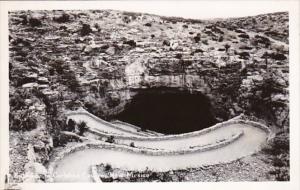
(43, 86)
(281, 81)
(256, 78)
(111, 51)
(174, 45)
(30, 85)
(43, 80)
(279, 97)
(28, 101)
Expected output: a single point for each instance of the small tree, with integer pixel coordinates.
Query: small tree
(265, 56)
(85, 30)
(227, 46)
(82, 128)
(132, 144)
(197, 38)
(71, 125)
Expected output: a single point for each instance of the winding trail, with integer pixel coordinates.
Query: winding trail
(75, 167)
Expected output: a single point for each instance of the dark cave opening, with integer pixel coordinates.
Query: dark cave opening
(168, 111)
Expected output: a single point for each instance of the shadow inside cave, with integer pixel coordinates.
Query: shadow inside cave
(168, 111)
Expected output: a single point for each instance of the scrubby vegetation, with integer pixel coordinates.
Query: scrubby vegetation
(63, 60)
(110, 139)
(278, 149)
(82, 127)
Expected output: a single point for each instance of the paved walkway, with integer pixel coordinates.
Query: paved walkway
(75, 167)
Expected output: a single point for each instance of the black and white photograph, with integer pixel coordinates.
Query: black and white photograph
(123, 95)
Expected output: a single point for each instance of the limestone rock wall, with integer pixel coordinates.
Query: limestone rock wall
(99, 59)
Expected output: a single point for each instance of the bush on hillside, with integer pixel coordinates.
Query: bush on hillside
(62, 18)
(70, 125)
(82, 128)
(110, 139)
(85, 30)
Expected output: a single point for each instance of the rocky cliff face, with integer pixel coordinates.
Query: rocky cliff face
(100, 59)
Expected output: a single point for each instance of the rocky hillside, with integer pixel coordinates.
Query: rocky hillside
(65, 59)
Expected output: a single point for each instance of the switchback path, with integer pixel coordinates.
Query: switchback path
(75, 167)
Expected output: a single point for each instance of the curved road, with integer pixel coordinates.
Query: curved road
(75, 167)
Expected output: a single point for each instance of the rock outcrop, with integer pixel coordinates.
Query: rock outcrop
(99, 59)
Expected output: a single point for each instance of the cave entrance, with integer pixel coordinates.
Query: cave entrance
(168, 111)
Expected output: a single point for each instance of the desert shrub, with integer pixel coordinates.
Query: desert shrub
(277, 162)
(278, 149)
(148, 24)
(107, 168)
(65, 138)
(178, 56)
(132, 43)
(239, 31)
(278, 56)
(93, 88)
(126, 19)
(205, 41)
(277, 146)
(34, 22)
(165, 177)
(17, 99)
(62, 18)
(280, 174)
(107, 179)
(263, 40)
(244, 36)
(85, 30)
(226, 46)
(166, 43)
(110, 139)
(217, 30)
(59, 66)
(66, 75)
(29, 122)
(82, 128)
(69, 79)
(243, 55)
(221, 38)
(70, 125)
(262, 105)
(153, 176)
(198, 50)
(55, 125)
(96, 25)
(132, 144)
(24, 121)
(245, 47)
(197, 38)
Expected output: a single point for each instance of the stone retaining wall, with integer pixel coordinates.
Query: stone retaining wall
(166, 137)
(147, 132)
(270, 133)
(117, 147)
(150, 138)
